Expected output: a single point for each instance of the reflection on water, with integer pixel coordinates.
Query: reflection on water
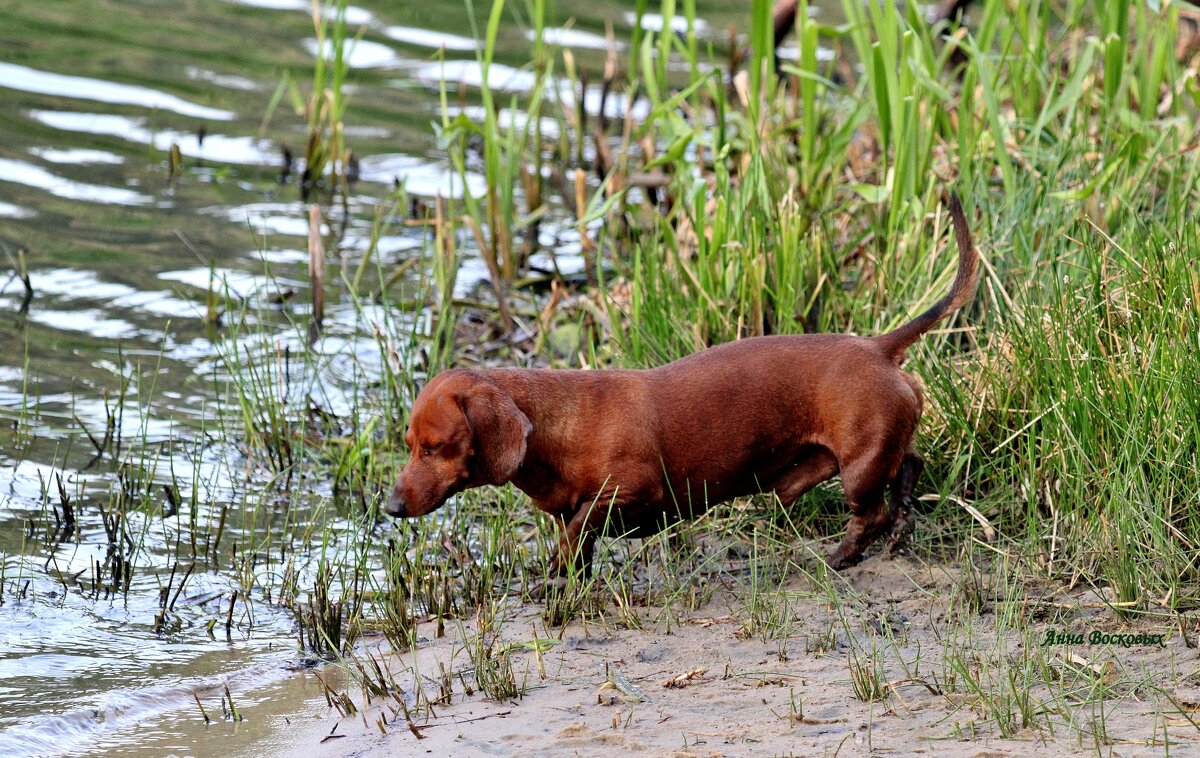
(419, 176)
(28, 79)
(79, 283)
(265, 219)
(355, 16)
(574, 38)
(508, 118)
(91, 322)
(229, 81)
(213, 147)
(428, 38)
(654, 22)
(508, 79)
(500, 77)
(8, 210)
(359, 54)
(238, 283)
(76, 155)
(30, 175)
(123, 707)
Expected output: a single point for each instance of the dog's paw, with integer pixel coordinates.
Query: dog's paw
(902, 529)
(554, 585)
(839, 561)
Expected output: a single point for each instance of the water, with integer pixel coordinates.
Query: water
(122, 258)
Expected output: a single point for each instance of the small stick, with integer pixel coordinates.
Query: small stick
(186, 576)
(200, 705)
(229, 615)
(232, 708)
(537, 653)
(316, 267)
(416, 730)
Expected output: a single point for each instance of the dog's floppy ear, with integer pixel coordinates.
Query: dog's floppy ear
(498, 429)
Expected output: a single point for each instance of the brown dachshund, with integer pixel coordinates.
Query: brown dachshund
(627, 452)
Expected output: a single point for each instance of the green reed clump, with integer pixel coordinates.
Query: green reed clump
(868, 677)
(491, 662)
(260, 376)
(326, 160)
(1081, 418)
(330, 621)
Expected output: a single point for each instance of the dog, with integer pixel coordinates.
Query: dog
(629, 451)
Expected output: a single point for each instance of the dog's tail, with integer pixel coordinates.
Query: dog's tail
(895, 342)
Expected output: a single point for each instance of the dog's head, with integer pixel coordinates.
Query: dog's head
(464, 432)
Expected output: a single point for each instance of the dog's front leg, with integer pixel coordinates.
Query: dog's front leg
(573, 555)
(577, 540)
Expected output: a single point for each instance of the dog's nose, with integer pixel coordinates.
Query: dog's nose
(395, 505)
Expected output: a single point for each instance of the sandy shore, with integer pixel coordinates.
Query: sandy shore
(740, 694)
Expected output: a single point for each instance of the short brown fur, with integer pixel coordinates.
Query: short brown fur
(631, 451)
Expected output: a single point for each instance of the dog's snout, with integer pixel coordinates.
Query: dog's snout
(395, 505)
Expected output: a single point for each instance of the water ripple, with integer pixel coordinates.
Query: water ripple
(28, 79)
(30, 175)
(214, 147)
(428, 38)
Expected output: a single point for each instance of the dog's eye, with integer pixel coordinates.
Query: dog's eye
(429, 449)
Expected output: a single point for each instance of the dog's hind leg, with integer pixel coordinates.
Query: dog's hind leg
(865, 478)
(901, 500)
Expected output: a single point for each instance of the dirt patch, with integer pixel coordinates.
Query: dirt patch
(903, 658)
